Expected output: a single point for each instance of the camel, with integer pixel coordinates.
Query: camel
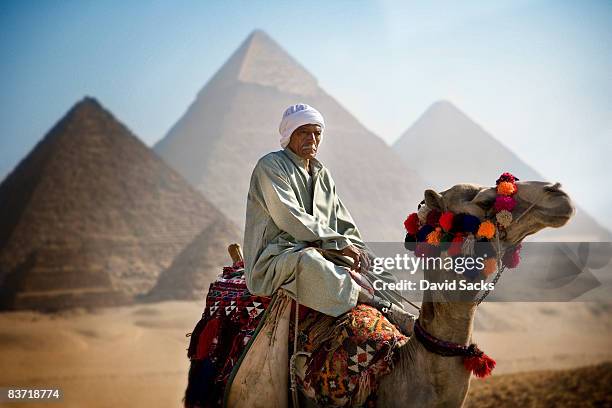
(424, 379)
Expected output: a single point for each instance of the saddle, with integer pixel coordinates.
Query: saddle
(239, 350)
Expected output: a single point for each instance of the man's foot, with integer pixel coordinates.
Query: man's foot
(403, 320)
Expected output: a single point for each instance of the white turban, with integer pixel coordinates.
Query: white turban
(296, 116)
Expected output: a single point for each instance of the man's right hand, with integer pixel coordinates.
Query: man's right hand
(361, 262)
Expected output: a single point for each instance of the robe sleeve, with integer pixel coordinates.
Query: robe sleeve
(285, 210)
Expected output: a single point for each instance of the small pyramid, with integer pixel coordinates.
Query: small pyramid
(192, 271)
(91, 216)
(455, 149)
(234, 121)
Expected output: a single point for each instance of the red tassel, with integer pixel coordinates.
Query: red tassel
(480, 365)
(208, 338)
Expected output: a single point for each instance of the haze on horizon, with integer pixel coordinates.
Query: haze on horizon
(535, 74)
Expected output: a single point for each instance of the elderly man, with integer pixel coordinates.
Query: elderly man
(299, 236)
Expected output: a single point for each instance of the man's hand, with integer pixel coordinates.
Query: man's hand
(361, 261)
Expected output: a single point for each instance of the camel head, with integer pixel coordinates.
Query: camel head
(547, 205)
(539, 205)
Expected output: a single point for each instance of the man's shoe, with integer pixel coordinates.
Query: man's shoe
(403, 320)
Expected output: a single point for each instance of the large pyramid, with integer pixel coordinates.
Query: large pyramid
(454, 149)
(234, 120)
(91, 216)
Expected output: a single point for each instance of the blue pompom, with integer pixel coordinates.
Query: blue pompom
(470, 223)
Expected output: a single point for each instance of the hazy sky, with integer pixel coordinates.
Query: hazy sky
(536, 74)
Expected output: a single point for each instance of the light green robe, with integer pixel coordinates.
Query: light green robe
(288, 210)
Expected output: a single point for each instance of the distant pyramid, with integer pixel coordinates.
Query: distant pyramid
(454, 149)
(192, 271)
(91, 216)
(234, 121)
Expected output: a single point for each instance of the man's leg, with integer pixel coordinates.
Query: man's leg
(321, 285)
(330, 288)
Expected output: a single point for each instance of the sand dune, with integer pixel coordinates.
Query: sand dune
(582, 387)
(136, 355)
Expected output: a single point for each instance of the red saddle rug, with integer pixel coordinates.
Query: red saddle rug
(230, 318)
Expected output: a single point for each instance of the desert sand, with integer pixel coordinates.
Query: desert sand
(578, 387)
(136, 355)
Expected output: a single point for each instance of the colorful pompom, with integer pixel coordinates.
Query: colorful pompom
(512, 257)
(457, 223)
(432, 217)
(504, 203)
(446, 220)
(455, 247)
(429, 232)
(470, 223)
(490, 266)
(434, 237)
(506, 177)
(486, 230)
(423, 232)
(412, 224)
(506, 188)
(504, 218)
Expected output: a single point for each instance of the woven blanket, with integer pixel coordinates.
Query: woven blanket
(230, 318)
(349, 355)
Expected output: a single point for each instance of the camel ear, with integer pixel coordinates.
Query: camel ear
(485, 198)
(433, 199)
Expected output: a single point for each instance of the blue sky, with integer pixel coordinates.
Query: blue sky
(536, 74)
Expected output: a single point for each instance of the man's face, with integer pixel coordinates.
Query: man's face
(305, 141)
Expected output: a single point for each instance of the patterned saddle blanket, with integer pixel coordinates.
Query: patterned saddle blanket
(229, 321)
(348, 354)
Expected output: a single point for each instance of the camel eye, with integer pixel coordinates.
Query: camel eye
(485, 198)
(485, 204)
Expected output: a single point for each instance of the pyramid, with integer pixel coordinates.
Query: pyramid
(91, 216)
(234, 120)
(192, 270)
(454, 149)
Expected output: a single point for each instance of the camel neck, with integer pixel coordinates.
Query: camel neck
(444, 318)
(451, 322)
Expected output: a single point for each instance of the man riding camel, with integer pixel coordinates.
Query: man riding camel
(299, 236)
